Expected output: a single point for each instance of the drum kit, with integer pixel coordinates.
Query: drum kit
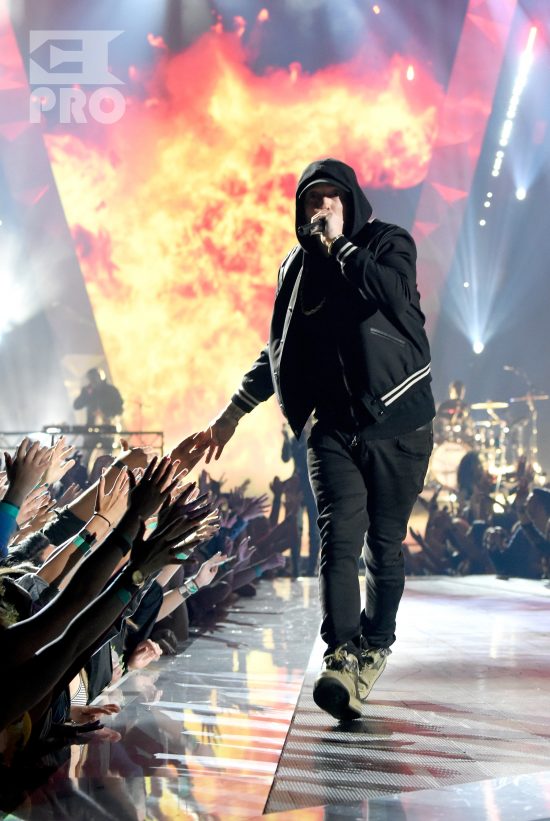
(484, 428)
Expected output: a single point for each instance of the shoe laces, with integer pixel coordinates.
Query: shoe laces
(341, 659)
(367, 658)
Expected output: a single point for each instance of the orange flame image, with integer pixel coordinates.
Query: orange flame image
(182, 211)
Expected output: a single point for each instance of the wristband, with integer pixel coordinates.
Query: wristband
(184, 592)
(331, 243)
(258, 571)
(124, 595)
(81, 543)
(10, 509)
(188, 588)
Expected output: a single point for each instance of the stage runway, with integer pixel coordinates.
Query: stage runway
(458, 727)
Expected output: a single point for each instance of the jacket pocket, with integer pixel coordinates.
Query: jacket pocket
(384, 335)
(418, 443)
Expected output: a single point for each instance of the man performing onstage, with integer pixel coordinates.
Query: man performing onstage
(347, 342)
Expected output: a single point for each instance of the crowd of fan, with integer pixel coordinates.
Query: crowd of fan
(103, 575)
(482, 528)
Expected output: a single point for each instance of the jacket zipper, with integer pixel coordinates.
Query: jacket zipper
(384, 335)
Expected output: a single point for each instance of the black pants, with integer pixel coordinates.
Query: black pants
(365, 492)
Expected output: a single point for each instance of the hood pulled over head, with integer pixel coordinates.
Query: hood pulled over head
(357, 207)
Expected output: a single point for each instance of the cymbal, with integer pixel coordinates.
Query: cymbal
(531, 397)
(489, 405)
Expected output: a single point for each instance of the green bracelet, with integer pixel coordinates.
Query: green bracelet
(11, 509)
(124, 595)
(81, 543)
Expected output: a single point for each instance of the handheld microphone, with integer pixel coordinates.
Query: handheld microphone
(312, 228)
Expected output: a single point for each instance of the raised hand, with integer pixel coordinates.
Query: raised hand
(60, 461)
(244, 550)
(156, 485)
(189, 452)
(43, 516)
(25, 470)
(273, 562)
(33, 502)
(216, 436)
(208, 570)
(113, 505)
(70, 493)
(255, 507)
(176, 529)
(134, 457)
(145, 652)
(219, 432)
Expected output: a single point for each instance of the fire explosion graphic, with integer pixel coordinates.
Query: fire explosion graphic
(182, 211)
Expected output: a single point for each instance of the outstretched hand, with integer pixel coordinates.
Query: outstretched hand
(156, 485)
(179, 527)
(189, 452)
(216, 436)
(112, 506)
(60, 461)
(208, 570)
(25, 470)
(134, 457)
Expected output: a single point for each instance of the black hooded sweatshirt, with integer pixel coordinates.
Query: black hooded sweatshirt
(347, 335)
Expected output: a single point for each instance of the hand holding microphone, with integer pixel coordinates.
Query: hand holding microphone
(312, 228)
(326, 223)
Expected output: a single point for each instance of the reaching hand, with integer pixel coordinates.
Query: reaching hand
(255, 507)
(216, 436)
(145, 652)
(208, 570)
(25, 470)
(33, 502)
(112, 506)
(244, 550)
(81, 714)
(70, 493)
(155, 487)
(189, 452)
(41, 518)
(134, 457)
(273, 562)
(228, 518)
(60, 461)
(177, 526)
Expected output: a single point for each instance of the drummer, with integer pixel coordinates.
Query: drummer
(452, 421)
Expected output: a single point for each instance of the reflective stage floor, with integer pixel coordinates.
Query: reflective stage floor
(458, 727)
